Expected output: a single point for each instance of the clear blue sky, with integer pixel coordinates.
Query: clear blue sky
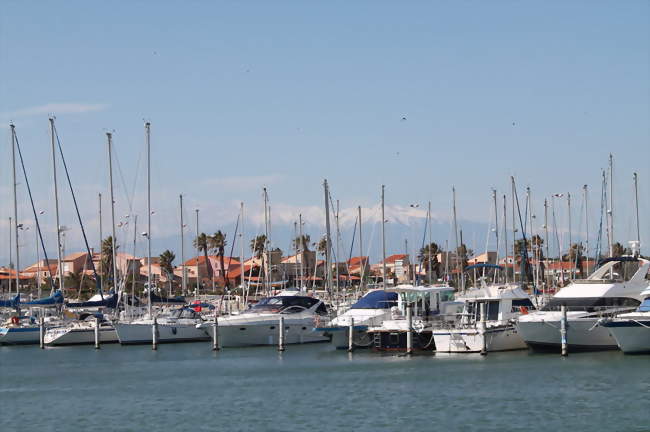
(288, 93)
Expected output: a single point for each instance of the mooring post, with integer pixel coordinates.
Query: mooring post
(41, 331)
(351, 335)
(409, 333)
(215, 332)
(563, 331)
(154, 334)
(96, 332)
(281, 334)
(482, 329)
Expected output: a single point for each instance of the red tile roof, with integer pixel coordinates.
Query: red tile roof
(393, 258)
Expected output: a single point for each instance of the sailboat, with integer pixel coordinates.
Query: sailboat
(178, 326)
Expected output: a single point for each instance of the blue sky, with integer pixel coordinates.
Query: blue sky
(418, 96)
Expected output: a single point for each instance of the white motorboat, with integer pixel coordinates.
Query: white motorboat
(369, 311)
(632, 330)
(181, 325)
(259, 325)
(81, 332)
(429, 306)
(613, 288)
(495, 331)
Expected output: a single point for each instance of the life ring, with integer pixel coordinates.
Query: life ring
(418, 326)
(523, 310)
(15, 320)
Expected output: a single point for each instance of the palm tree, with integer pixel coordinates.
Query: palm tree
(258, 245)
(431, 250)
(302, 243)
(107, 259)
(218, 244)
(202, 243)
(166, 260)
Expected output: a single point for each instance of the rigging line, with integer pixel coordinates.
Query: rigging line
(525, 248)
(129, 199)
(31, 199)
(225, 272)
(76, 207)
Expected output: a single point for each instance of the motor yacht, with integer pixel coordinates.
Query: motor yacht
(613, 288)
(632, 330)
(258, 325)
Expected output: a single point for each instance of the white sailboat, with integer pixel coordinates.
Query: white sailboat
(181, 324)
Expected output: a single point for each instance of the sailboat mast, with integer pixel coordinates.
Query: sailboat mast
(101, 248)
(383, 239)
(586, 197)
(429, 248)
(496, 227)
(328, 239)
(109, 136)
(453, 207)
(266, 241)
(184, 276)
(135, 239)
(361, 251)
(241, 246)
(147, 128)
(514, 231)
(198, 253)
(636, 205)
(568, 200)
(505, 235)
(59, 269)
(15, 185)
(302, 252)
(610, 213)
(338, 235)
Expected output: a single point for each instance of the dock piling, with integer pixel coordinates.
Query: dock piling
(563, 331)
(351, 335)
(154, 334)
(281, 335)
(215, 333)
(481, 329)
(409, 333)
(96, 332)
(41, 331)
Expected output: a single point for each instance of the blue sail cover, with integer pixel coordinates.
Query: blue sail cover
(484, 265)
(110, 301)
(10, 303)
(377, 300)
(55, 299)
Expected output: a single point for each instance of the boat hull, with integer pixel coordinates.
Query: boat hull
(142, 333)
(470, 340)
(19, 335)
(267, 333)
(583, 334)
(79, 336)
(395, 340)
(632, 336)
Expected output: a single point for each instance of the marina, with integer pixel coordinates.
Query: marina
(325, 216)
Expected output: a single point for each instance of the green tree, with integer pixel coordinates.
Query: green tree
(202, 244)
(258, 245)
(301, 243)
(166, 261)
(218, 244)
(107, 261)
(431, 250)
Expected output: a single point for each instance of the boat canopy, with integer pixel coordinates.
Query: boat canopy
(171, 300)
(54, 299)
(379, 299)
(11, 302)
(109, 301)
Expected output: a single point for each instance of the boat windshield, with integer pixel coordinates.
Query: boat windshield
(590, 304)
(645, 306)
(184, 313)
(287, 304)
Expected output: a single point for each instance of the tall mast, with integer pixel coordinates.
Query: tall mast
(496, 226)
(361, 251)
(505, 235)
(59, 269)
(110, 179)
(338, 234)
(147, 128)
(636, 205)
(15, 185)
(266, 241)
(11, 251)
(135, 239)
(610, 213)
(586, 197)
(453, 206)
(328, 239)
(546, 239)
(568, 201)
(383, 239)
(241, 246)
(302, 251)
(514, 231)
(101, 248)
(429, 248)
(184, 276)
(198, 253)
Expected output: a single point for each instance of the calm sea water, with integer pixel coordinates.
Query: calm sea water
(187, 387)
